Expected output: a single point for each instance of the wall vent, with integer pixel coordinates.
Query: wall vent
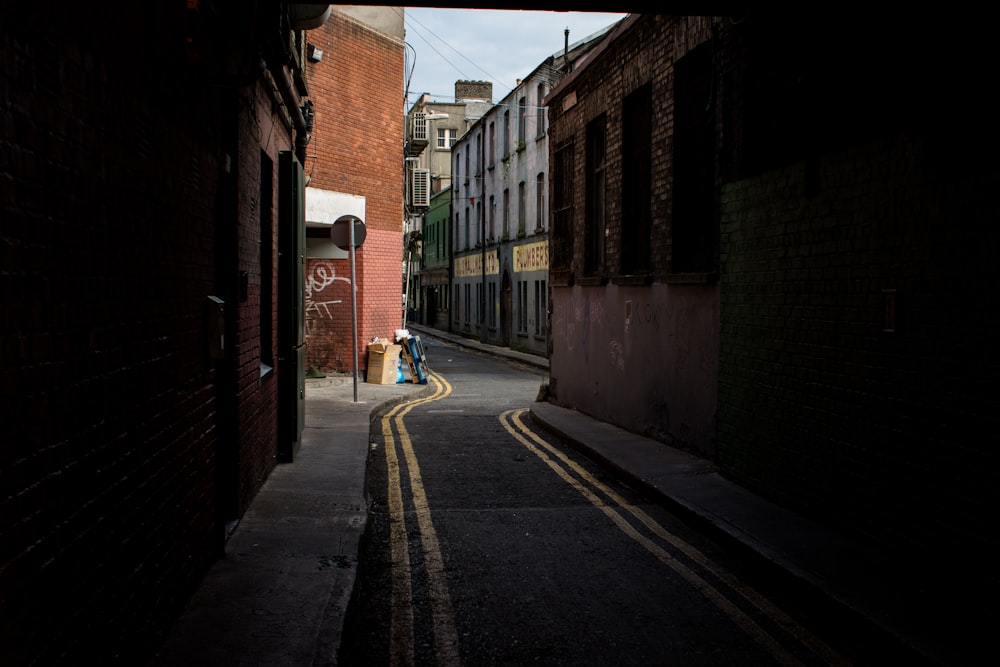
(420, 188)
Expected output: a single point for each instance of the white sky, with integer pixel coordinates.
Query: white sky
(501, 46)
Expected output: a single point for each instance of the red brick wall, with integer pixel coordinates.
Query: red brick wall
(356, 149)
(260, 129)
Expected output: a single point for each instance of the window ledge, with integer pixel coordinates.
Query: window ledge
(635, 279)
(592, 281)
(561, 278)
(691, 278)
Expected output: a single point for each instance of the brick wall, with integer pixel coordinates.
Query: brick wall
(357, 149)
(820, 407)
(119, 215)
(857, 294)
(634, 350)
(856, 300)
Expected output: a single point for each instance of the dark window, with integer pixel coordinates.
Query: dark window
(493, 146)
(266, 212)
(562, 209)
(692, 235)
(522, 204)
(522, 120)
(637, 133)
(540, 112)
(594, 226)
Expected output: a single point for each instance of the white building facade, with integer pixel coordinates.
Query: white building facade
(500, 213)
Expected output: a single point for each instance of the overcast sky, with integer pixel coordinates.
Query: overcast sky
(500, 46)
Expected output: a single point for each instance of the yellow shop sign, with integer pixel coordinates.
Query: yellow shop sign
(472, 265)
(531, 257)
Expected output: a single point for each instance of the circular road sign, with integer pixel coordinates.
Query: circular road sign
(340, 232)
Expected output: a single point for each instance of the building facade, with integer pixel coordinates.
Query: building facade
(500, 213)
(753, 258)
(433, 127)
(356, 178)
(151, 222)
(435, 262)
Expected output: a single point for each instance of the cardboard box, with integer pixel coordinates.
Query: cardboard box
(383, 363)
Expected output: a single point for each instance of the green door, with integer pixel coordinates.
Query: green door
(291, 305)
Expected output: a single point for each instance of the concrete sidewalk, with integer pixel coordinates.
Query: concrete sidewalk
(280, 595)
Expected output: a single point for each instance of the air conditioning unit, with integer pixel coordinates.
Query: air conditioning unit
(420, 188)
(419, 129)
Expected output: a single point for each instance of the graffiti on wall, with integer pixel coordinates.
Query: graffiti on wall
(318, 303)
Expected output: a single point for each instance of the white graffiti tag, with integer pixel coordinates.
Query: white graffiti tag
(322, 276)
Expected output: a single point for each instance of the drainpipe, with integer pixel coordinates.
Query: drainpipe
(303, 126)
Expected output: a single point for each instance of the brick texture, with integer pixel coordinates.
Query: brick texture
(856, 295)
(128, 193)
(357, 149)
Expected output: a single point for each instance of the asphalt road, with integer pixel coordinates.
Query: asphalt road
(492, 543)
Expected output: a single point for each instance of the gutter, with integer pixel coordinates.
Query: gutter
(302, 117)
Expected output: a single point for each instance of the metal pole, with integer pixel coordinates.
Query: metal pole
(406, 290)
(354, 313)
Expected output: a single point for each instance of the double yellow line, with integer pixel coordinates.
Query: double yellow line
(586, 484)
(605, 499)
(401, 622)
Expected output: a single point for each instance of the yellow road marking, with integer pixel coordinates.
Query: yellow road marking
(401, 622)
(738, 616)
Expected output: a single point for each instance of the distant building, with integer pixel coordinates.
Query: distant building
(500, 212)
(432, 129)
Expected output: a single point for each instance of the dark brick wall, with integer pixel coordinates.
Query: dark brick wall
(125, 182)
(856, 174)
(638, 350)
(889, 223)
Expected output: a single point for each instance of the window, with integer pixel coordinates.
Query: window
(446, 137)
(468, 148)
(541, 313)
(265, 210)
(493, 145)
(479, 223)
(522, 120)
(522, 306)
(561, 240)
(479, 153)
(480, 304)
(468, 302)
(506, 133)
(506, 214)
(521, 205)
(493, 217)
(540, 202)
(637, 133)
(468, 235)
(540, 112)
(692, 229)
(596, 187)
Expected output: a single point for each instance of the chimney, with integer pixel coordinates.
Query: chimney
(473, 90)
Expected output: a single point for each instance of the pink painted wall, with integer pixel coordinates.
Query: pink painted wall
(606, 339)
